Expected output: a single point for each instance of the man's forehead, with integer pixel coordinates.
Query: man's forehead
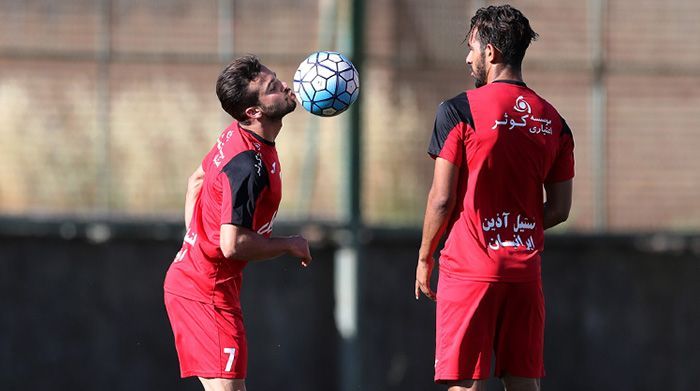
(265, 70)
(264, 75)
(263, 78)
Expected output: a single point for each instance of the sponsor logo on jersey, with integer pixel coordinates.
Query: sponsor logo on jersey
(223, 139)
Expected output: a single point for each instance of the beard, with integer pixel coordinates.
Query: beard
(479, 71)
(280, 108)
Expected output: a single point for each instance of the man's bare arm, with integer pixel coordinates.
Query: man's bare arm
(558, 205)
(238, 243)
(441, 203)
(194, 186)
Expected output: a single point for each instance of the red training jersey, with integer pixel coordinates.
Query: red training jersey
(242, 186)
(507, 143)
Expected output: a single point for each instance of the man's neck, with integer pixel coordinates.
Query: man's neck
(504, 72)
(265, 129)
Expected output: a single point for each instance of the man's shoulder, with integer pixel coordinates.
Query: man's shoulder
(456, 108)
(456, 102)
(245, 162)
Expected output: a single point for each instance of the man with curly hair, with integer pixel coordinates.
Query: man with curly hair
(496, 148)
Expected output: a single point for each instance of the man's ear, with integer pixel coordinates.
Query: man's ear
(492, 54)
(253, 112)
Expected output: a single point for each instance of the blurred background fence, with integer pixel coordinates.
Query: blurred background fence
(106, 107)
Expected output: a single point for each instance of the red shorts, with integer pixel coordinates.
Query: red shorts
(475, 319)
(210, 342)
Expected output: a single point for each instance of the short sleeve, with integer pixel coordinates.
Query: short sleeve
(563, 167)
(451, 119)
(216, 153)
(244, 179)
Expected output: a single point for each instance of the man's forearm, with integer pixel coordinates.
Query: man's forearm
(437, 215)
(189, 207)
(552, 216)
(254, 247)
(194, 186)
(244, 244)
(558, 205)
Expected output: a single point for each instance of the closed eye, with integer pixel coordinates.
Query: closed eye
(274, 86)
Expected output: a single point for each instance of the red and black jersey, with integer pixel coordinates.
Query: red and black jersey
(507, 142)
(242, 186)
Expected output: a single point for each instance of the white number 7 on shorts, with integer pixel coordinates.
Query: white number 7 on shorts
(231, 354)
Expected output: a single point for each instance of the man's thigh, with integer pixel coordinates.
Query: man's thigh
(520, 339)
(467, 313)
(223, 384)
(516, 383)
(210, 342)
(466, 385)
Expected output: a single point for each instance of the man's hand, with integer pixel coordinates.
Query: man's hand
(299, 248)
(424, 270)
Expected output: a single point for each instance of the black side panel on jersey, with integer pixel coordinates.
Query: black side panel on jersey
(248, 178)
(449, 114)
(565, 127)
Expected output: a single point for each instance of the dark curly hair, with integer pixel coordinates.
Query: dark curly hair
(232, 86)
(506, 28)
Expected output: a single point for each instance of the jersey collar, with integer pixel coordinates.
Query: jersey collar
(257, 136)
(516, 82)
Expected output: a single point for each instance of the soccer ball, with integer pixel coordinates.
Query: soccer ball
(326, 83)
